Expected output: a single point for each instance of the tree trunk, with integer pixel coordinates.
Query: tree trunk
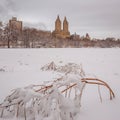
(8, 43)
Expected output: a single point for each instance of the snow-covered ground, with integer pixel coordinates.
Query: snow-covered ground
(21, 67)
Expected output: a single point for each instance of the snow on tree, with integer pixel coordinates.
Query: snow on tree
(67, 68)
(59, 99)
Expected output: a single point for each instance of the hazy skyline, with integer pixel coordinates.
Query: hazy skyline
(99, 18)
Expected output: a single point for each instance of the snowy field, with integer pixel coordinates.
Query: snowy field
(21, 67)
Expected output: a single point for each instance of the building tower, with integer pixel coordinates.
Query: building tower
(59, 32)
(65, 25)
(58, 24)
(66, 33)
(14, 24)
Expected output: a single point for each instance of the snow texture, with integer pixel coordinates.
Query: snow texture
(22, 67)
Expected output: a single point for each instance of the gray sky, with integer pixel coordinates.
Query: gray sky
(99, 18)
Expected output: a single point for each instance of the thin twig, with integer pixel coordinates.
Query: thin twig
(99, 93)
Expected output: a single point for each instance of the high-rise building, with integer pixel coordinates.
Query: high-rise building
(15, 24)
(59, 32)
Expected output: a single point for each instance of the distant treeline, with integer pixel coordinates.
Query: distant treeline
(33, 38)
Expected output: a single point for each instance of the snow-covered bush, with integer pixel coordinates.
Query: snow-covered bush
(67, 68)
(59, 99)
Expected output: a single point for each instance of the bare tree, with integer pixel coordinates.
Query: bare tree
(26, 37)
(1, 30)
(7, 33)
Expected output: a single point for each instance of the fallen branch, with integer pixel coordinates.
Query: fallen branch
(100, 82)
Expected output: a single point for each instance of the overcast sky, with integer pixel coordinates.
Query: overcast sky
(99, 18)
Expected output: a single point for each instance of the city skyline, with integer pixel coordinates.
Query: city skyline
(99, 18)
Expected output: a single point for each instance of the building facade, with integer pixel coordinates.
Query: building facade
(59, 32)
(15, 24)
